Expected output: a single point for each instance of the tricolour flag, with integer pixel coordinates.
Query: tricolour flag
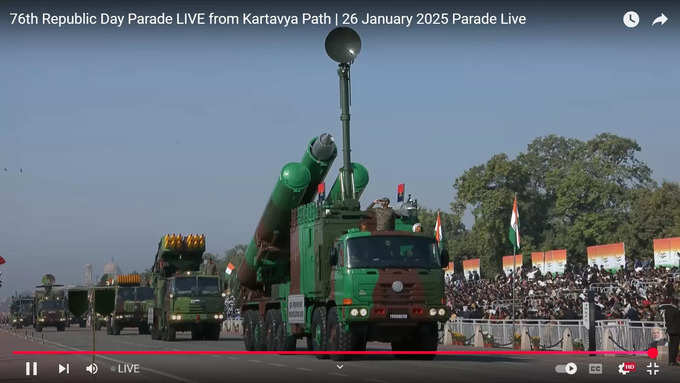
(400, 192)
(514, 226)
(438, 235)
(230, 268)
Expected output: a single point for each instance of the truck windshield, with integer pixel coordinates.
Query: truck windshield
(392, 252)
(184, 286)
(144, 293)
(51, 305)
(207, 285)
(126, 293)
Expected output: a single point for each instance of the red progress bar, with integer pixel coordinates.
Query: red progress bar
(652, 352)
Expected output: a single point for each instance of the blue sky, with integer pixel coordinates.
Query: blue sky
(125, 135)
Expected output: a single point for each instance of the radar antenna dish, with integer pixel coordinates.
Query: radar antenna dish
(343, 45)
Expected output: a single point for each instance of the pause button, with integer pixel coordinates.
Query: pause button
(31, 368)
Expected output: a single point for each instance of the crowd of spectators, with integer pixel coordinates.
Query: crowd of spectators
(633, 293)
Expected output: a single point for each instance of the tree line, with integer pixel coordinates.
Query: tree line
(571, 194)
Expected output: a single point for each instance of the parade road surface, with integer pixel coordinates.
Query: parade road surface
(286, 368)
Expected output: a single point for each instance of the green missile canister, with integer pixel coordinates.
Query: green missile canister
(318, 159)
(360, 175)
(269, 248)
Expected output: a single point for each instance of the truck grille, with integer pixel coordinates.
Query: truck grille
(195, 308)
(410, 294)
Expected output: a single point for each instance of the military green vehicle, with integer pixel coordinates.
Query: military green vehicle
(49, 305)
(21, 311)
(185, 298)
(328, 270)
(131, 304)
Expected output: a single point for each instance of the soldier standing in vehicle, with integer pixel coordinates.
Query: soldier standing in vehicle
(385, 215)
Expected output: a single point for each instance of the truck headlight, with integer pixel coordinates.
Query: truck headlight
(363, 312)
(354, 312)
(14, 320)
(442, 312)
(433, 312)
(176, 317)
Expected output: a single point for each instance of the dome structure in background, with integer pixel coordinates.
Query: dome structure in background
(111, 269)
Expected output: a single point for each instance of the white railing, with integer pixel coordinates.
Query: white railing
(624, 335)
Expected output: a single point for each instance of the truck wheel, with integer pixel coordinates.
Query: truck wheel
(143, 329)
(213, 332)
(339, 339)
(275, 332)
(61, 327)
(155, 334)
(38, 329)
(82, 324)
(115, 328)
(195, 333)
(318, 338)
(170, 333)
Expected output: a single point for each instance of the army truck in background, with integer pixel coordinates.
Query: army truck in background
(49, 307)
(334, 273)
(131, 304)
(185, 298)
(21, 311)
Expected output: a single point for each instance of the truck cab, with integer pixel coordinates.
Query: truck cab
(130, 309)
(21, 312)
(386, 286)
(50, 310)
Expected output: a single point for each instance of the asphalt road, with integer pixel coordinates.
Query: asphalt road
(282, 368)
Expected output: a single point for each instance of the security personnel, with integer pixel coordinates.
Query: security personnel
(671, 316)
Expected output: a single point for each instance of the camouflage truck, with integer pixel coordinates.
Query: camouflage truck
(330, 272)
(21, 311)
(185, 298)
(131, 304)
(49, 307)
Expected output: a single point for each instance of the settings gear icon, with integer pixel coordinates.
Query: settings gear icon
(622, 371)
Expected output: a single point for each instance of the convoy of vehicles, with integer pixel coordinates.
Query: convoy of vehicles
(185, 298)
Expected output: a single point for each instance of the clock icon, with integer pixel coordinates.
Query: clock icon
(631, 19)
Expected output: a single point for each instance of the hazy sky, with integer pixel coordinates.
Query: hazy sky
(125, 135)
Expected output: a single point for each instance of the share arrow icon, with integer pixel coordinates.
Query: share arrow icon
(661, 19)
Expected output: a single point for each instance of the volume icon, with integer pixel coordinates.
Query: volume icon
(92, 368)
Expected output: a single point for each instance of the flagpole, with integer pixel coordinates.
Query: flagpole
(512, 275)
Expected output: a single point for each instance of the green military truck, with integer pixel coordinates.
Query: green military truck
(331, 272)
(185, 298)
(21, 311)
(49, 307)
(131, 304)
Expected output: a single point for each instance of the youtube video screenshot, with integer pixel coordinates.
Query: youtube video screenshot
(356, 191)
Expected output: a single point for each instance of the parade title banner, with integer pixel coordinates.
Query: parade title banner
(424, 18)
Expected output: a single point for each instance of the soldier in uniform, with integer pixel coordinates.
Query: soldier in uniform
(211, 267)
(384, 215)
(671, 316)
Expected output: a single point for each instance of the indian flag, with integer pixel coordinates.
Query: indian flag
(230, 268)
(438, 235)
(514, 226)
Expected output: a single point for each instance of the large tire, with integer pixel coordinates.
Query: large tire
(276, 338)
(61, 327)
(196, 333)
(318, 340)
(213, 332)
(82, 324)
(143, 329)
(248, 331)
(339, 339)
(38, 328)
(253, 330)
(170, 333)
(115, 327)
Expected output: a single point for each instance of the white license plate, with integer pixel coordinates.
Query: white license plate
(398, 316)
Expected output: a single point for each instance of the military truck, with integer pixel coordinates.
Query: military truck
(185, 298)
(21, 311)
(330, 272)
(131, 303)
(49, 307)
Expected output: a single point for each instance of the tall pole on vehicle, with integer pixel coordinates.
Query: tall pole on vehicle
(343, 46)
